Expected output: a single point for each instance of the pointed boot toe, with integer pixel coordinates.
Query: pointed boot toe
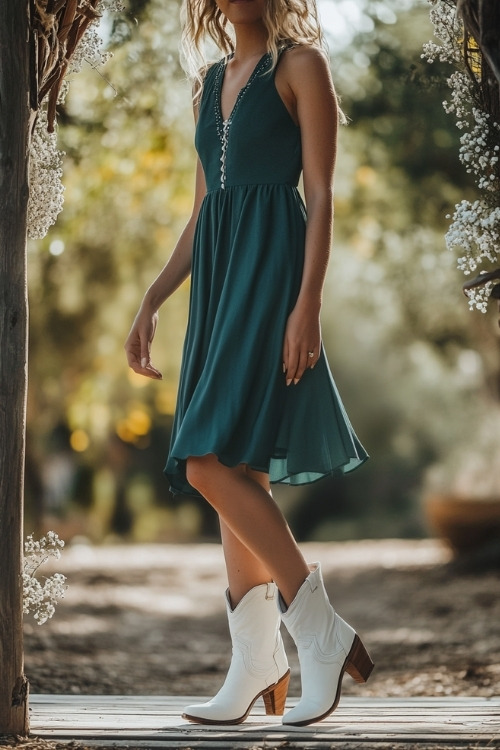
(220, 711)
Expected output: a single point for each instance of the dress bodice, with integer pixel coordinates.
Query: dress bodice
(259, 143)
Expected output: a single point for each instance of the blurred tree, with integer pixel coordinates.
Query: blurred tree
(407, 172)
(128, 181)
(403, 347)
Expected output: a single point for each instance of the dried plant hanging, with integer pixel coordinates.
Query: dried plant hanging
(65, 33)
(58, 28)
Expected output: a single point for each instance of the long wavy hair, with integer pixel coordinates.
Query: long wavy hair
(203, 25)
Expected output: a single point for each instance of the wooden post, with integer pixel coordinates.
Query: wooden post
(15, 121)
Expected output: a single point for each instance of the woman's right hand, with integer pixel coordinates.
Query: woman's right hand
(177, 269)
(138, 344)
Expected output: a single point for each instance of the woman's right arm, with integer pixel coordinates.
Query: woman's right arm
(176, 270)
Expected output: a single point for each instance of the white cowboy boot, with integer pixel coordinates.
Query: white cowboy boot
(327, 647)
(259, 666)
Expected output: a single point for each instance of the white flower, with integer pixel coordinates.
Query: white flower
(45, 172)
(37, 598)
(478, 297)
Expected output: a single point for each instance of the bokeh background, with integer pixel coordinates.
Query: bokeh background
(418, 372)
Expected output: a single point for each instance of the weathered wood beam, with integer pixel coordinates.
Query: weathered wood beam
(15, 123)
(482, 21)
(490, 33)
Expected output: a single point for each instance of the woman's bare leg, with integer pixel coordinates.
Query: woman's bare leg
(244, 570)
(249, 512)
(259, 665)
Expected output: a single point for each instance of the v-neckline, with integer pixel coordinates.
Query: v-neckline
(250, 79)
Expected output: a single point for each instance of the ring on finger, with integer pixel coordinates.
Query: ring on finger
(310, 354)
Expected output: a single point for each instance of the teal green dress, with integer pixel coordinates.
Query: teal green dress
(246, 272)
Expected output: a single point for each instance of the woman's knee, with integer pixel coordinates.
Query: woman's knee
(198, 472)
(206, 474)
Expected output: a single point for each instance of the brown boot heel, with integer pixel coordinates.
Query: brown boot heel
(274, 699)
(359, 664)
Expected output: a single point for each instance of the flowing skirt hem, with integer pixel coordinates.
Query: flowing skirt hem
(276, 470)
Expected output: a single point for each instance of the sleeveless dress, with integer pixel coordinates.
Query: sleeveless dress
(246, 272)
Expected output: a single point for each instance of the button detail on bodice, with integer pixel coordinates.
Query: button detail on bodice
(224, 126)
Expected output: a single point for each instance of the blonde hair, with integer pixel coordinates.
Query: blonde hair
(287, 22)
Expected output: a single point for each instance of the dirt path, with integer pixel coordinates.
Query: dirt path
(150, 620)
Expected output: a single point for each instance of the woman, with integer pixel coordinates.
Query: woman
(257, 403)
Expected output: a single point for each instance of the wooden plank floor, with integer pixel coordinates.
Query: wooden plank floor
(154, 722)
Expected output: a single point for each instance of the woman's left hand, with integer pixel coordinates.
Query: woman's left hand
(302, 336)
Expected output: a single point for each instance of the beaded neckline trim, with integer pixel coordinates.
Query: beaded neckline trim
(224, 126)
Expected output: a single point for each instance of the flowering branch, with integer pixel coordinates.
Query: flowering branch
(38, 599)
(475, 102)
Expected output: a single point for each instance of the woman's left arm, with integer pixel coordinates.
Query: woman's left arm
(316, 109)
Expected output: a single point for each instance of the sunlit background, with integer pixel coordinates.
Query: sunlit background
(418, 372)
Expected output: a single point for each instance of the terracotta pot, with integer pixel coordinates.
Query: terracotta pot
(464, 524)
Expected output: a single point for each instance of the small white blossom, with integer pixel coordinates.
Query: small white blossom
(40, 599)
(479, 296)
(45, 171)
